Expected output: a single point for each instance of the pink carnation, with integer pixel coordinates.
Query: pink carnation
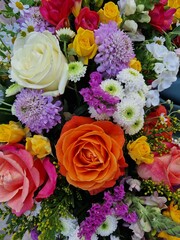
(165, 168)
(21, 176)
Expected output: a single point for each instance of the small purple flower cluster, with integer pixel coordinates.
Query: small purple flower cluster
(96, 97)
(36, 111)
(113, 205)
(33, 15)
(115, 49)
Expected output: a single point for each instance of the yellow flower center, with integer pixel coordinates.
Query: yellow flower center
(19, 5)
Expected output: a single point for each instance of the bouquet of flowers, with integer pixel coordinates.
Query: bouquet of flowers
(88, 149)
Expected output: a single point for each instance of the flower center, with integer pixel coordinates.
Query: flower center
(19, 5)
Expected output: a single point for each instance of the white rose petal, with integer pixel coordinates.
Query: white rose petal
(38, 63)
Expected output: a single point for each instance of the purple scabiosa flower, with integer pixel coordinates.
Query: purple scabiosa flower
(36, 111)
(115, 49)
(38, 24)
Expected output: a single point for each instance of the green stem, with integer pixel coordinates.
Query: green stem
(4, 103)
(5, 45)
(5, 109)
(65, 50)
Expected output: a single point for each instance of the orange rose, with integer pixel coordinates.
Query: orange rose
(90, 153)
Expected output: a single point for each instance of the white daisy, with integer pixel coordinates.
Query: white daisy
(108, 226)
(113, 87)
(76, 70)
(28, 25)
(127, 112)
(159, 40)
(18, 6)
(131, 78)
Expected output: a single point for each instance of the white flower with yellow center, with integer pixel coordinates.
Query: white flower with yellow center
(76, 70)
(18, 6)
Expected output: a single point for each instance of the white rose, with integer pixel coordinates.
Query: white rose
(38, 63)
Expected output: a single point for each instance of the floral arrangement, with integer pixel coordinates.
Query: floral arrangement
(88, 150)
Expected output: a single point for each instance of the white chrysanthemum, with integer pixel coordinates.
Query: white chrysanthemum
(127, 112)
(138, 97)
(65, 34)
(96, 115)
(113, 87)
(76, 70)
(131, 78)
(108, 226)
(68, 226)
(112, 237)
(135, 127)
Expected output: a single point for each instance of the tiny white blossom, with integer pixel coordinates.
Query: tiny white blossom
(152, 98)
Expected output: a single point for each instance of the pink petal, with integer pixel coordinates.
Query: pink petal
(50, 185)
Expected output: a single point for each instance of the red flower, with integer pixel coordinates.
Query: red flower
(87, 19)
(56, 11)
(152, 119)
(161, 19)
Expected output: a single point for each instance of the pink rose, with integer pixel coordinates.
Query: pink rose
(161, 19)
(87, 19)
(165, 168)
(21, 176)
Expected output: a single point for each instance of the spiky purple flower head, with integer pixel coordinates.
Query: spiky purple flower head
(115, 49)
(36, 111)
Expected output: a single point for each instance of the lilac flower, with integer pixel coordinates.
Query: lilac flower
(115, 49)
(34, 234)
(119, 193)
(96, 97)
(36, 111)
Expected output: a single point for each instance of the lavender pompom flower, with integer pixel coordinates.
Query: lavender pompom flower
(115, 49)
(36, 111)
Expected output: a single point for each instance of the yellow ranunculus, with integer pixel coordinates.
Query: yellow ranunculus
(12, 132)
(140, 151)
(136, 64)
(110, 12)
(175, 4)
(166, 236)
(84, 44)
(38, 146)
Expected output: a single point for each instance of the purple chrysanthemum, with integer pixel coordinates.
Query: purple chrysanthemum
(115, 49)
(33, 15)
(36, 111)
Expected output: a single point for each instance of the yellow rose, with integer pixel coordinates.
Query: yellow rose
(110, 12)
(136, 64)
(166, 236)
(11, 133)
(84, 44)
(38, 146)
(140, 151)
(175, 4)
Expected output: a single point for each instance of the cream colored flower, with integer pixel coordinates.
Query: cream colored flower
(38, 63)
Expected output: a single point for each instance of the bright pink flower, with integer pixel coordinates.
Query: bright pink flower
(56, 11)
(161, 19)
(165, 168)
(87, 19)
(21, 176)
